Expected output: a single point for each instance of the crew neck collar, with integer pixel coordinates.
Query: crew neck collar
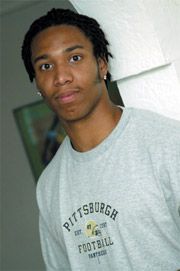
(105, 144)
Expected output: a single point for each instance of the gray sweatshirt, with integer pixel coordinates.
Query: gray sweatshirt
(117, 206)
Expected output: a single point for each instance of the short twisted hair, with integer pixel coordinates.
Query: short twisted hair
(89, 26)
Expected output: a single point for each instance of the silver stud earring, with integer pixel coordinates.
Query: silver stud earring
(105, 77)
(39, 93)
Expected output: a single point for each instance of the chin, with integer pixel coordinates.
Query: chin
(72, 117)
(74, 113)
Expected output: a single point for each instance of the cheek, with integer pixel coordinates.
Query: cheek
(38, 85)
(43, 84)
(88, 75)
(38, 80)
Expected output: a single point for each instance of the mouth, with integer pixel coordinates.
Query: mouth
(67, 96)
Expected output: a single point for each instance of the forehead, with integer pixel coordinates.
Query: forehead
(60, 36)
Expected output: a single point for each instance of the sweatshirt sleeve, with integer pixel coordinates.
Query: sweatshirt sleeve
(170, 174)
(54, 256)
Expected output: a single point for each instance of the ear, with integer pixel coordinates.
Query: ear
(103, 67)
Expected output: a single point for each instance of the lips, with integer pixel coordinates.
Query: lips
(68, 96)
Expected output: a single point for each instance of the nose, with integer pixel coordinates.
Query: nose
(62, 76)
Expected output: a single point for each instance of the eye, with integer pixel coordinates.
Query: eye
(46, 67)
(75, 58)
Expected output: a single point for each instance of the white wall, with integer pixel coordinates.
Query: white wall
(144, 39)
(20, 245)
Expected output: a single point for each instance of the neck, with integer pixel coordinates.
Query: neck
(88, 133)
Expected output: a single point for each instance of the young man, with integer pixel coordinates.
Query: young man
(110, 198)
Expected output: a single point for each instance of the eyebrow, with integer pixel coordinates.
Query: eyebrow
(69, 49)
(74, 48)
(40, 58)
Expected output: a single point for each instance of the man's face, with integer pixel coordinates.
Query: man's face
(67, 73)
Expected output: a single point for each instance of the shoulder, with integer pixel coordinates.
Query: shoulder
(155, 125)
(154, 134)
(147, 115)
(158, 140)
(52, 166)
(48, 181)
